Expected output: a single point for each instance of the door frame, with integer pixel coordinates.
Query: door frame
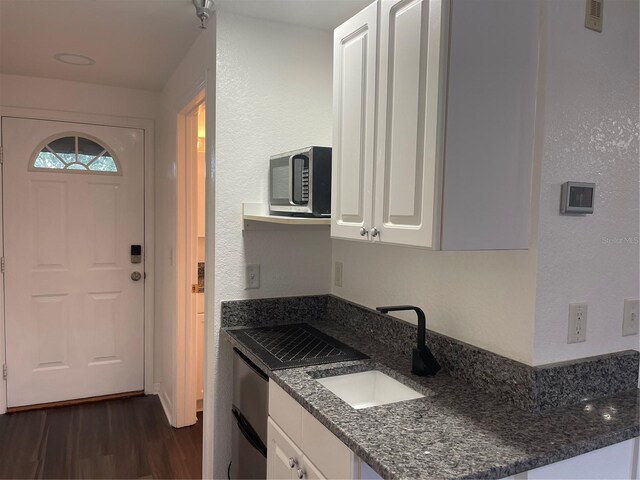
(149, 224)
(186, 261)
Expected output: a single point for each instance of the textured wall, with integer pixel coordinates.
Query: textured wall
(273, 95)
(590, 134)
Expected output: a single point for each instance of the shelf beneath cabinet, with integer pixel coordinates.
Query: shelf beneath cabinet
(255, 216)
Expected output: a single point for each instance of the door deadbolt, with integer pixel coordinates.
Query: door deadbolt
(136, 253)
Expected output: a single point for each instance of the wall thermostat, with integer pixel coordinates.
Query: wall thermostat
(577, 197)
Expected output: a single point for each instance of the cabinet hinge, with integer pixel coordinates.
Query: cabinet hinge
(4, 371)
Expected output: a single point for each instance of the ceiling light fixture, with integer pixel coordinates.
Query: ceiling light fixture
(204, 10)
(74, 59)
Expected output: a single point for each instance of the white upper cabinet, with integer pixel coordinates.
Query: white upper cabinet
(411, 101)
(354, 90)
(452, 89)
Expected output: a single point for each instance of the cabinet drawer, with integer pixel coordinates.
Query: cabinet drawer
(332, 457)
(286, 412)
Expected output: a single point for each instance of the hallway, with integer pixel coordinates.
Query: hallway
(126, 438)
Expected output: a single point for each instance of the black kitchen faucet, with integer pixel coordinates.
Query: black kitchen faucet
(423, 363)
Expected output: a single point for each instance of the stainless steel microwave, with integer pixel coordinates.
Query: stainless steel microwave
(300, 182)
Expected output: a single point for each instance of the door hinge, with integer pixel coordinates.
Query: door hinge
(2, 265)
(4, 371)
(1, 155)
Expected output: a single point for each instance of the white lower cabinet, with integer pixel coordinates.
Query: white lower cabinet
(300, 447)
(285, 460)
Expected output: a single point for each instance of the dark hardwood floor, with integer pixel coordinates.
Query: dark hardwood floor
(126, 438)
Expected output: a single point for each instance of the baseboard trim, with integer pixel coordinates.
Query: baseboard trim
(166, 406)
(76, 401)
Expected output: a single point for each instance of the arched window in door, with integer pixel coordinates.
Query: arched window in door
(77, 154)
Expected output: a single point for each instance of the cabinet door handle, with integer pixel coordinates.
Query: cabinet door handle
(292, 462)
(363, 231)
(301, 473)
(374, 232)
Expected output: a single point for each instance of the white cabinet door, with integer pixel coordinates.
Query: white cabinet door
(310, 471)
(354, 91)
(281, 454)
(329, 455)
(413, 45)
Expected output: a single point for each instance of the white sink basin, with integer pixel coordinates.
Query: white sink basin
(368, 389)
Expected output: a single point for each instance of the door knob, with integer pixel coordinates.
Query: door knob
(363, 231)
(292, 462)
(374, 232)
(135, 276)
(301, 473)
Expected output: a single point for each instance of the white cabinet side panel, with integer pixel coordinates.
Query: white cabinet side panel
(490, 124)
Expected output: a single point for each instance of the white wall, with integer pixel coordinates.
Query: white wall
(591, 134)
(482, 298)
(273, 94)
(67, 96)
(184, 84)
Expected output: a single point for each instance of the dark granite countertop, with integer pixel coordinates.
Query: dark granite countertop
(456, 430)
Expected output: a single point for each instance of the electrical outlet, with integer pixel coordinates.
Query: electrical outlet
(337, 274)
(252, 277)
(630, 317)
(577, 323)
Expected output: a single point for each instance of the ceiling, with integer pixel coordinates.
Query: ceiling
(321, 14)
(135, 43)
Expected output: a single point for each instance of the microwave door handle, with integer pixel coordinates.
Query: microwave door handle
(291, 159)
(291, 180)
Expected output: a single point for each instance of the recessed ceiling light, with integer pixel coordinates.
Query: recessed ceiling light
(74, 59)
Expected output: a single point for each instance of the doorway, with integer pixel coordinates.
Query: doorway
(191, 261)
(73, 197)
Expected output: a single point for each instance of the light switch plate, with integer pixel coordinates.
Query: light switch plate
(577, 323)
(252, 277)
(630, 317)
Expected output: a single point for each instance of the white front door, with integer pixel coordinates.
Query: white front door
(73, 207)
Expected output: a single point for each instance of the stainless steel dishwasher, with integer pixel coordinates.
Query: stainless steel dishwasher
(250, 411)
